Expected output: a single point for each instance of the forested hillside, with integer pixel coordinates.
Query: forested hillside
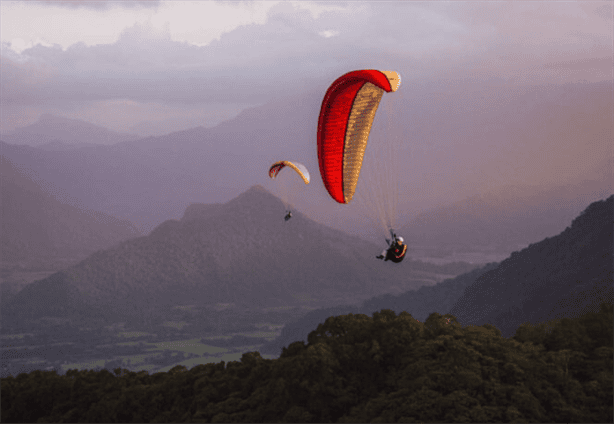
(356, 368)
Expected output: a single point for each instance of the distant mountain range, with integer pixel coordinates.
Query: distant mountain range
(152, 179)
(510, 217)
(241, 251)
(110, 180)
(37, 226)
(561, 276)
(51, 129)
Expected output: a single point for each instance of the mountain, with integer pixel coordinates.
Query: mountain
(115, 182)
(241, 251)
(561, 276)
(51, 128)
(510, 217)
(37, 226)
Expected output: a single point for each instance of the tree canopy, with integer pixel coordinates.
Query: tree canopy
(356, 368)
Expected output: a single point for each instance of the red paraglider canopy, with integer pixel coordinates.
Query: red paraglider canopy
(345, 121)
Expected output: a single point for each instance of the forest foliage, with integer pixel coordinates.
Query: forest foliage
(356, 368)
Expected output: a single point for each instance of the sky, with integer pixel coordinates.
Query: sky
(159, 66)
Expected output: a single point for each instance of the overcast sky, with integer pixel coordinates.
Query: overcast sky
(181, 64)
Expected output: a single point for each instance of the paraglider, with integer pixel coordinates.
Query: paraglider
(396, 251)
(286, 188)
(346, 118)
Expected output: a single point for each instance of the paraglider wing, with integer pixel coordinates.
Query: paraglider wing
(346, 116)
(300, 169)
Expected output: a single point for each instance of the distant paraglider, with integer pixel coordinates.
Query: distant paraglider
(346, 117)
(286, 186)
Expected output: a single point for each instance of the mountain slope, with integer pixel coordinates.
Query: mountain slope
(35, 225)
(114, 181)
(560, 276)
(242, 251)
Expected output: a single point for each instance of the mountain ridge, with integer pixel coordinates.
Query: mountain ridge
(37, 224)
(531, 283)
(244, 252)
(56, 129)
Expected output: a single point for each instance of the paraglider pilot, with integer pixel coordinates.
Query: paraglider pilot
(288, 215)
(396, 251)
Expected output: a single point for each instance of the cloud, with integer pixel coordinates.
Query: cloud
(249, 64)
(187, 54)
(94, 4)
(328, 33)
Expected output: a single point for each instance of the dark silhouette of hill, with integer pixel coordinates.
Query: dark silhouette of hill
(36, 226)
(561, 276)
(50, 128)
(242, 251)
(354, 368)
